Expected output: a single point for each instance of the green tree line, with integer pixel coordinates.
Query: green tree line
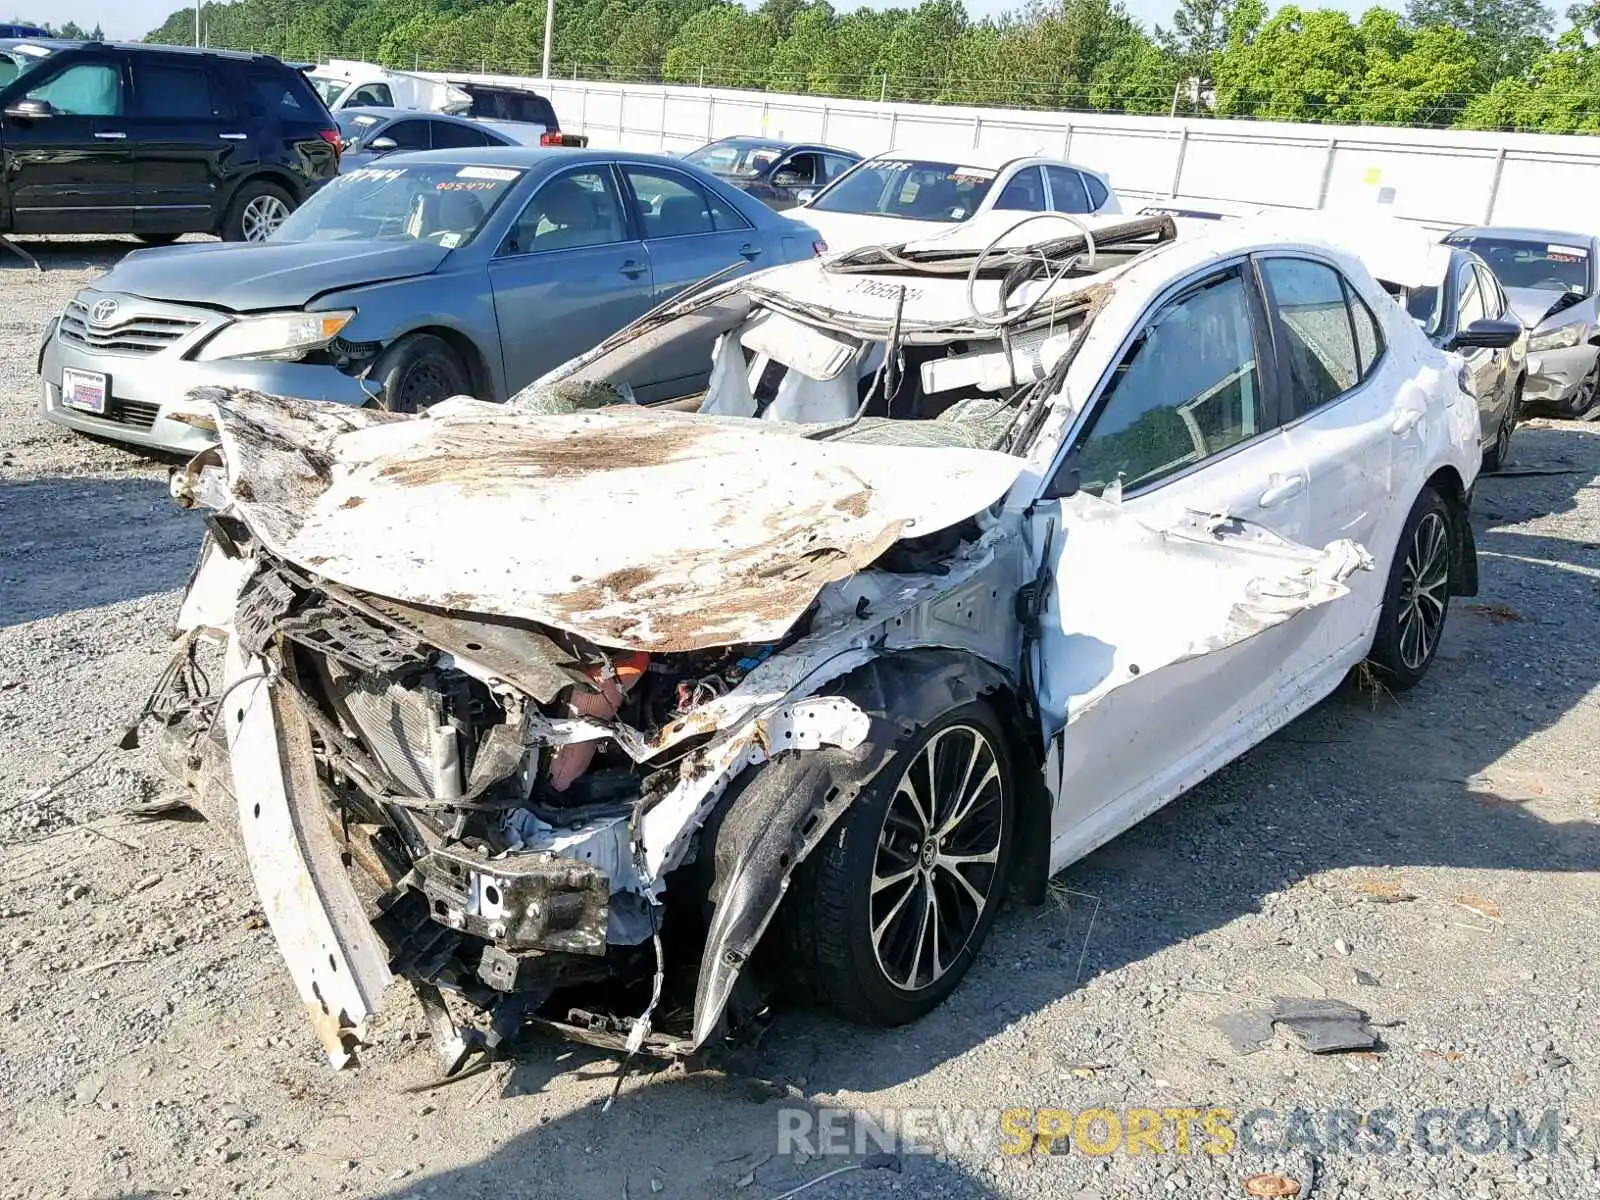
(1486, 64)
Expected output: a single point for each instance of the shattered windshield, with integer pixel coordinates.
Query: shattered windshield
(19, 60)
(911, 188)
(739, 157)
(1544, 266)
(443, 203)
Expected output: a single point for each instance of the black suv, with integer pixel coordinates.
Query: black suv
(160, 141)
(496, 102)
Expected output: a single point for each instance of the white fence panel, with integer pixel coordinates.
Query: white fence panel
(1438, 177)
(1219, 165)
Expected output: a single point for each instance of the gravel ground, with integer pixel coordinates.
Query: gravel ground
(1432, 858)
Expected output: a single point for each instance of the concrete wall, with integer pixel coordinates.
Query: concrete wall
(1442, 178)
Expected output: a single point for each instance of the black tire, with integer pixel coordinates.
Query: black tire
(255, 206)
(1583, 399)
(1496, 456)
(418, 371)
(1416, 600)
(158, 239)
(834, 913)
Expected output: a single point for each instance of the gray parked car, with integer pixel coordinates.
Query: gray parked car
(1549, 279)
(420, 277)
(373, 133)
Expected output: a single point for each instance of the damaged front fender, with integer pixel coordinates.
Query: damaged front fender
(779, 813)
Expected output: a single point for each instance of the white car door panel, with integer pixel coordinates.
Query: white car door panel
(1161, 652)
(1184, 430)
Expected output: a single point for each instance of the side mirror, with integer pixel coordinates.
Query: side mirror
(31, 110)
(383, 145)
(1487, 334)
(805, 195)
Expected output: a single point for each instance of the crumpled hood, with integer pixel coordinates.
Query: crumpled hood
(1531, 305)
(243, 277)
(636, 528)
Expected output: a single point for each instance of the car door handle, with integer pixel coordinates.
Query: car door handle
(750, 252)
(1281, 488)
(1407, 419)
(109, 135)
(236, 137)
(633, 269)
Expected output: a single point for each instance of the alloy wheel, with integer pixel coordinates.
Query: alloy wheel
(1424, 590)
(937, 861)
(1583, 399)
(262, 216)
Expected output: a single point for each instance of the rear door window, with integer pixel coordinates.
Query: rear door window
(668, 204)
(173, 93)
(1067, 193)
(1318, 336)
(1098, 195)
(447, 135)
(408, 134)
(1369, 334)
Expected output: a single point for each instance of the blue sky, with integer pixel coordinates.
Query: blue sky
(134, 18)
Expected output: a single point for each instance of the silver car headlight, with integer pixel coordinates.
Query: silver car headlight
(282, 336)
(1556, 339)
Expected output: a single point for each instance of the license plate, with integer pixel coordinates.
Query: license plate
(84, 390)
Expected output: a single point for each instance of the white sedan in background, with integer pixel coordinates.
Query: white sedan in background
(901, 196)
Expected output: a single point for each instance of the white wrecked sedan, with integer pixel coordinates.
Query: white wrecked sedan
(610, 707)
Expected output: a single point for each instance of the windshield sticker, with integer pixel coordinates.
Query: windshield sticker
(375, 174)
(972, 174)
(497, 174)
(450, 241)
(1566, 253)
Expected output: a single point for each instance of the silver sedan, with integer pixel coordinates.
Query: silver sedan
(1549, 278)
(465, 272)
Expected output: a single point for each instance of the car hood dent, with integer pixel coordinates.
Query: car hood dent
(633, 528)
(1532, 305)
(276, 275)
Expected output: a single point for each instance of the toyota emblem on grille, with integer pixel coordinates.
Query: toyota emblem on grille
(103, 311)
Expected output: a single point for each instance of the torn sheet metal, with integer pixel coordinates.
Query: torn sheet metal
(641, 529)
(337, 963)
(1236, 580)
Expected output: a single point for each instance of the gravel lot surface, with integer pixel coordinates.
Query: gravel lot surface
(1433, 858)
